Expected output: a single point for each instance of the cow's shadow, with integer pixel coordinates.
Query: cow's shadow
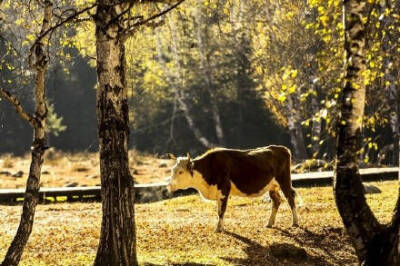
(275, 254)
(180, 264)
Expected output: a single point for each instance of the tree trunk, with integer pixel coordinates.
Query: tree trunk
(315, 130)
(296, 132)
(206, 69)
(117, 244)
(389, 70)
(178, 87)
(38, 61)
(372, 241)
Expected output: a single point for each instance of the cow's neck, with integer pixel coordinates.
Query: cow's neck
(207, 191)
(199, 183)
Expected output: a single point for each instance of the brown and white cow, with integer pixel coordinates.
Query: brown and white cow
(221, 172)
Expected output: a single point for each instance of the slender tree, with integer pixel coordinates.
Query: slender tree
(375, 244)
(38, 60)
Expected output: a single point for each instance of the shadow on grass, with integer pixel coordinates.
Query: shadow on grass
(180, 264)
(275, 254)
(331, 239)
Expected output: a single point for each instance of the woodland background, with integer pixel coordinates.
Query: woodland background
(210, 74)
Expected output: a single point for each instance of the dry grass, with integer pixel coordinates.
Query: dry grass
(7, 161)
(60, 169)
(181, 232)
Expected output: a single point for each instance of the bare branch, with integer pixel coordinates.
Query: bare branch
(134, 27)
(72, 17)
(17, 104)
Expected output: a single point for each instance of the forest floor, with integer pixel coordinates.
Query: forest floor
(79, 169)
(180, 231)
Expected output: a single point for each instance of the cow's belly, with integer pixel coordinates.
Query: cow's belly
(272, 185)
(211, 193)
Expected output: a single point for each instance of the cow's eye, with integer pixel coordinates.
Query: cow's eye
(180, 172)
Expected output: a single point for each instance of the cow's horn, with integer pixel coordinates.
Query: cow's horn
(188, 156)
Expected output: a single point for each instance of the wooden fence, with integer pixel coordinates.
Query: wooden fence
(157, 191)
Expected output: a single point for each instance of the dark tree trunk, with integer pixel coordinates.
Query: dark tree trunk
(295, 131)
(118, 237)
(38, 61)
(315, 130)
(372, 241)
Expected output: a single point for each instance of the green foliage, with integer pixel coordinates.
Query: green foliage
(54, 122)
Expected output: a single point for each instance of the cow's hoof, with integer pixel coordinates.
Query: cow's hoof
(269, 225)
(295, 225)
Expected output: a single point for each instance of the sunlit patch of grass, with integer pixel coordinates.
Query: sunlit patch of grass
(180, 231)
(61, 169)
(8, 161)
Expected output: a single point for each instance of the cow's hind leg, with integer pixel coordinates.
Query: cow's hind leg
(290, 194)
(276, 201)
(221, 206)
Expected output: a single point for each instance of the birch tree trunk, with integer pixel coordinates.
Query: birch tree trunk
(315, 130)
(118, 236)
(38, 61)
(178, 87)
(375, 244)
(206, 69)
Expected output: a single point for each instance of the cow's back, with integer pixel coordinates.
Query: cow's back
(250, 171)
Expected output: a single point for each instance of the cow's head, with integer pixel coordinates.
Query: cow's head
(181, 173)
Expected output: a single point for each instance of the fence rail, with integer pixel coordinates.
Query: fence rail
(157, 191)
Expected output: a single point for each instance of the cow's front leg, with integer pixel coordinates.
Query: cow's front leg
(221, 206)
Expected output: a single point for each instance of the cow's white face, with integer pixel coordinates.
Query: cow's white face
(181, 175)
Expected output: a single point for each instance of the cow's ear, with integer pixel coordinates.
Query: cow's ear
(171, 156)
(190, 167)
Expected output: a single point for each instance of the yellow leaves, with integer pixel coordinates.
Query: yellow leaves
(30, 37)
(258, 70)
(324, 19)
(327, 38)
(324, 113)
(19, 21)
(292, 89)
(282, 98)
(306, 123)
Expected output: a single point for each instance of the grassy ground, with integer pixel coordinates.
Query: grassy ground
(180, 231)
(78, 169)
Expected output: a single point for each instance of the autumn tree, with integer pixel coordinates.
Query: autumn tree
(38, 60)
(114, 24)
(375, 243)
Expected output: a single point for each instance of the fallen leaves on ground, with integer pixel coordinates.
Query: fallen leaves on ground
(180, 231)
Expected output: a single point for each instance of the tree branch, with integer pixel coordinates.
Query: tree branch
(17, 104)
(133, 28)
(66, 20)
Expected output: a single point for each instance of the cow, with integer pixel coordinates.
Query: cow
(221, 172)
